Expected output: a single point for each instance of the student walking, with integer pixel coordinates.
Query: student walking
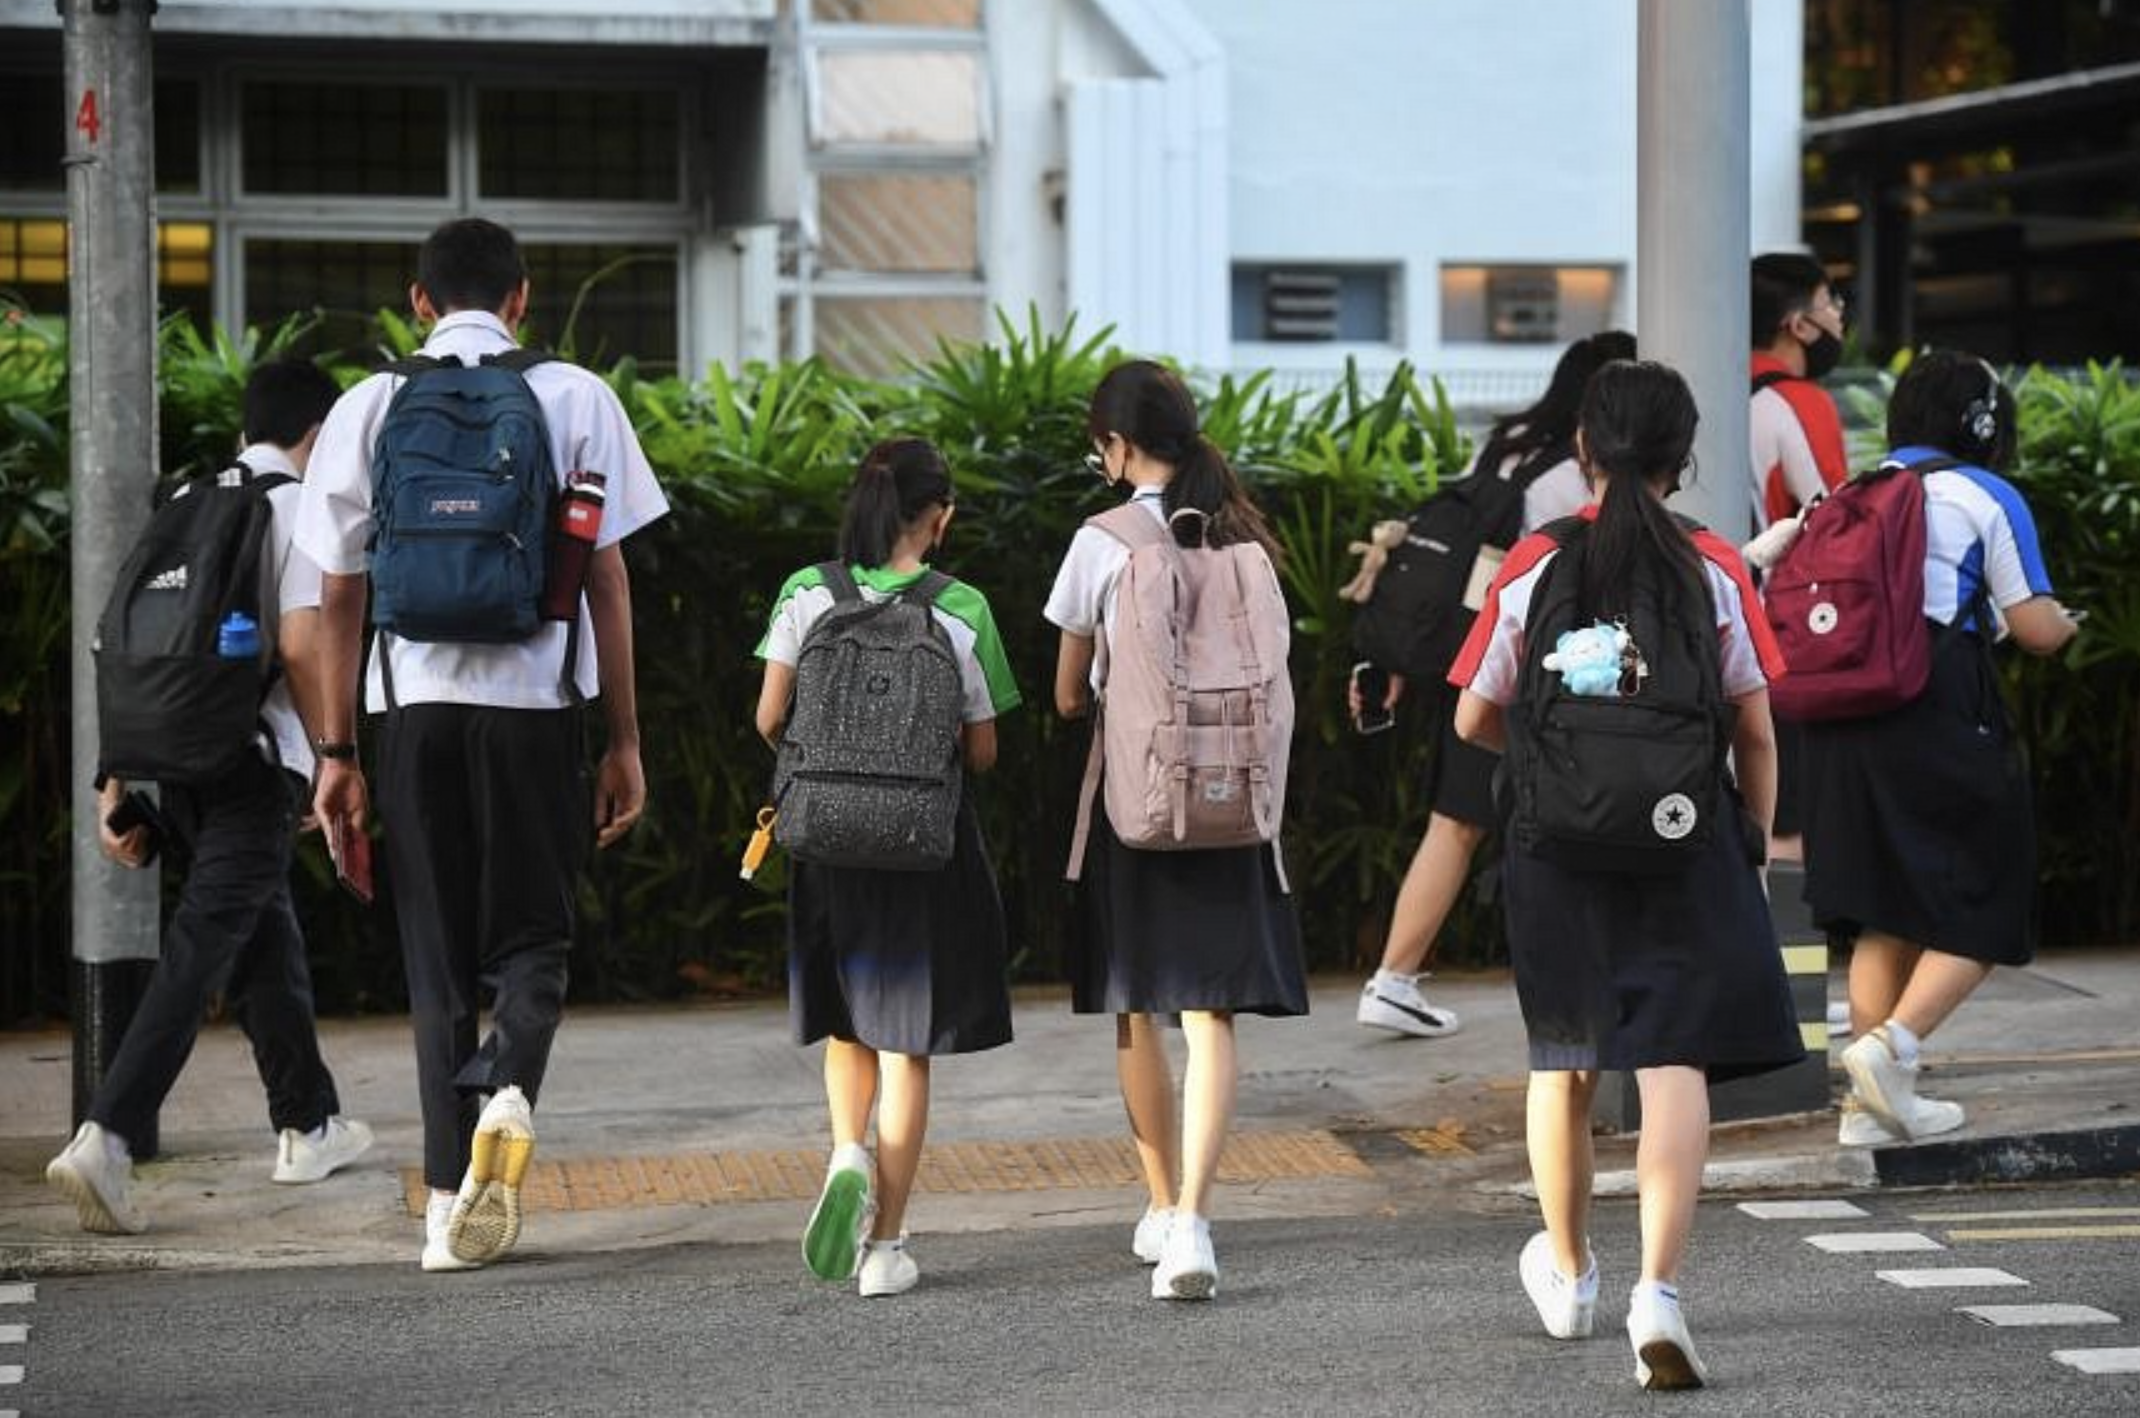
(1920, 838)
(436, 488)
(1637, 921)
(1534, 451)
(1166, 926)
(891, 965)
(234, 929)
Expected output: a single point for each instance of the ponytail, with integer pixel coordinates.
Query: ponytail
(898, 481)
(1147, 403)
(1638, 427)
(1205, 482)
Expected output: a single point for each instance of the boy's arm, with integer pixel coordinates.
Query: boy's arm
(620, 782)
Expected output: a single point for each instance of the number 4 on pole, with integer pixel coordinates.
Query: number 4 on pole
(87, 120)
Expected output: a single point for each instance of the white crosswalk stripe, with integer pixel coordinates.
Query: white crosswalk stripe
(1802, 1210)
(1864, 1242)
(14, 1334)
(1958, 1277)
(2099, 1361)
(2036, 1315)
(19, 1293)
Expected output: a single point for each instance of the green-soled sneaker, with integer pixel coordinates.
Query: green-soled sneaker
(832, 1243)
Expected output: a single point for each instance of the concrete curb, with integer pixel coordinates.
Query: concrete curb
(2087, 1154)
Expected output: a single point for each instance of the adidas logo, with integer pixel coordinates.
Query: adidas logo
(172, 580)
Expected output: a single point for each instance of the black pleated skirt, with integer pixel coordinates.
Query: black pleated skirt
(1161, 932)
(1920, 823)
(905, 962)
(1619, 971)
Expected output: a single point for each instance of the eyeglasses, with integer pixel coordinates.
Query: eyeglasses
(1833, 302)
(1096, 460)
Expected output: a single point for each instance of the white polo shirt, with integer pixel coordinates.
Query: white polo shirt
(297, 588)
(588, 430)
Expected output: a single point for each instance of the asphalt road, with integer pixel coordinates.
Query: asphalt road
(1354, 1316)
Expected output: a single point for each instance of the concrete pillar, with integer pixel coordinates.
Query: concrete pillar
(111, 310)
(1692, 232)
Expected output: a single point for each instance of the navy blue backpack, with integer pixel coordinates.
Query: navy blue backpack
(464, 493)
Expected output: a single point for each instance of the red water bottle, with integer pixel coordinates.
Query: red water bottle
(579, 519)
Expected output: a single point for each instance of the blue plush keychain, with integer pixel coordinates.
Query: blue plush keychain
(1594, 660)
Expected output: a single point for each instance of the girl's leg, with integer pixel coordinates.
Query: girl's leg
(1148, 1097)
(1668, 1164)
(850, 1089)
(1432, 883)
(1937, 988)
(1557, 1131)
(1207, 1104)
(1880, 970)
(901, 1122)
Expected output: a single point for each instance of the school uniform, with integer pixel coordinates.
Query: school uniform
(1163, 931)
(1623, 971)
(1920, 822)
(905, 962)
(482, 781)
(235, 929)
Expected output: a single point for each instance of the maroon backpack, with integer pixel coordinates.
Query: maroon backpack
(1847, 600)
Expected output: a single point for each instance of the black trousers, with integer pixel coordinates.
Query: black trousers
(233, 931)
(489, 821)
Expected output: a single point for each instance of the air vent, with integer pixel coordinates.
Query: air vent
(1300, 305)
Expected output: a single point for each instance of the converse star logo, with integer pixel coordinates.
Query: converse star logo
(1821, 619)
(1673, 817)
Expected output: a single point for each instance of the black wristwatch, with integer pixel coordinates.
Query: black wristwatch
(324, 749)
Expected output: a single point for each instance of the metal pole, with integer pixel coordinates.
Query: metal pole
(111, 325)
(1693, 239)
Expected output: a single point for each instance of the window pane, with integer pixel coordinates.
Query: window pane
(1526, 304)
(359, 140)
(626, 298)
(185, 269)
(603, 144)
(33, 265)
(953, 14)
(33, 133)
(1315, 303)
(345, 281)
(876, 335)
(923, 98)
(178, 135)
(895, 223)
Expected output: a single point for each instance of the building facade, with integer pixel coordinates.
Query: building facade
(1276, 184)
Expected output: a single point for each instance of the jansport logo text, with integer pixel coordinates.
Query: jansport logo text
(455, 506)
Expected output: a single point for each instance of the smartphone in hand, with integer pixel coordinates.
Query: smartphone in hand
(1371, 683)
(136, 810)
(351, 851)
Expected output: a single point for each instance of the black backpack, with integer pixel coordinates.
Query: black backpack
(1634, 782)
(171, 706)
(1416, 620)
(869, 772)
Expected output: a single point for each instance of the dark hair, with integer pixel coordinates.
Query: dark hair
(1548, 426)
(1947, 400)
(285, 399)
(898, 481)
(1638, 430)
(470, 264)
(1783, 283)
(1147, 404)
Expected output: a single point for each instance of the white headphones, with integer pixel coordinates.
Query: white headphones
(1980, 420)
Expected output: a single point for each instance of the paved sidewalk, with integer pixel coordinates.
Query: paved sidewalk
(703, 1123)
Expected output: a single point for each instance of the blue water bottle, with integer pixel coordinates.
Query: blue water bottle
(238, 638)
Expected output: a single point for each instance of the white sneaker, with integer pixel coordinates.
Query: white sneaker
(887, 1269)
(96, 1174)
(1187, 1269)
(1664, 1352)
(1398, 1006)
(486, 1212)
(1151, 1237)
(1884, 1083)
(438, 1253)
(1566, 1307)
(1931, 1117)
(832, 1242)
(299, 1159)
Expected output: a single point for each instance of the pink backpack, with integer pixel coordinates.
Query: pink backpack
(1196, 704)
(1847, 600)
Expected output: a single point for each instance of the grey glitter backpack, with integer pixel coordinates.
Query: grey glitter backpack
(868, 773)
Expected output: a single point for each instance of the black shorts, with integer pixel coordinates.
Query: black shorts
(1460, 778)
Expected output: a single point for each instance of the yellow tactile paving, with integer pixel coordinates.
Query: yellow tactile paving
(1445, 1140)
(712, 1178)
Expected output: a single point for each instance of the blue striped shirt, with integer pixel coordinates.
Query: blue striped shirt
(1979, 533)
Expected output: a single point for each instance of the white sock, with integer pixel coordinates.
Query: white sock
(317, 1135)
(1659, 1289)
(1391, 977)
(1906, 1043)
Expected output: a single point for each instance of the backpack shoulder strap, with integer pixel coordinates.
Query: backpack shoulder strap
(933, 583)
(1130, 525)
(839, 580)
(1768, 379)
(1536, 466)
(414, 365)
(518, 360)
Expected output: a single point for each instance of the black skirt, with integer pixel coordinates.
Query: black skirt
(906, 962)
(1460, 784)
(1161, 932)
(1919, 823)
(1619, 971)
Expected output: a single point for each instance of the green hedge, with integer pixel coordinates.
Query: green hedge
(755, 461)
